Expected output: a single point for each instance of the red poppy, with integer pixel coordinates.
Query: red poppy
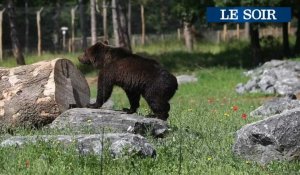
(244, 116)
(27, 163)
(235, 108)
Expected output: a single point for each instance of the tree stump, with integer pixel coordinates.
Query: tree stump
(34, 95)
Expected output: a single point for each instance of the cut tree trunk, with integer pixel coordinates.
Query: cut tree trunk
(34, 95)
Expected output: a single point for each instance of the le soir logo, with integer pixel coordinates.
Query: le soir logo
(248, 14)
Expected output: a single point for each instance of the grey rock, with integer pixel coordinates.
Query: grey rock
(276, 106)
(109, 104)
(276, 76)
(240, 88)
(84, 120)
(274, 138)
(119, 144)
(182, 79)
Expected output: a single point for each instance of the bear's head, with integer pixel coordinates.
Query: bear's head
(95, 54)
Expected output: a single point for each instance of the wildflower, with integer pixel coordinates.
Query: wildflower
(209, 158)
(27, 163)
(226, 114)
(190, 110)
(89, 121)
(244, 116)
(235, 108)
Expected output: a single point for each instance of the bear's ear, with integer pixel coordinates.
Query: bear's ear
(100, 44)
(105, 42)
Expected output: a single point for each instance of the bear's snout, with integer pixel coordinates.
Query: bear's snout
(84, 60)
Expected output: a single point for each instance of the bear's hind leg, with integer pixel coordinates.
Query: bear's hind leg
(134, 100)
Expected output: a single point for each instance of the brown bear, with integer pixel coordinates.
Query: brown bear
(135, 74)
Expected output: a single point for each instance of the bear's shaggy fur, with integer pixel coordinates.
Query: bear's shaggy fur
(135, 74)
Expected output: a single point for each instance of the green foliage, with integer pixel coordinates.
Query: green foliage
(188, 10)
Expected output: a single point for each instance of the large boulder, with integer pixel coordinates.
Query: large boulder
(276, 76)
(274, 138)
(118, 144)
(85, 120)
(276, 106)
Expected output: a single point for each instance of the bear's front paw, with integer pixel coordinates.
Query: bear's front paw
(93, 106)
(128, 111)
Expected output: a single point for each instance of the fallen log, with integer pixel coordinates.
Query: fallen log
(34, 95)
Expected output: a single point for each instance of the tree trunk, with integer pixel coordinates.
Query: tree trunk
(82, 24)
(115, 22)
(16, 47)
(178, 34)
(238, 31)
(73, 10)
(247, 30)
(38, 22)
(124, 39)
(104, 13)
(188, 36)
(224, 32)
(143, 24)
(26, 26)
(129, 18)
(120, 24)
(56, 27)
(285, 37)
(1, 46)
(255, 45)
(34, 95)
(297, 44)
(93, 22)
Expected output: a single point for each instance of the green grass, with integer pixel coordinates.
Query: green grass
(201, 118)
